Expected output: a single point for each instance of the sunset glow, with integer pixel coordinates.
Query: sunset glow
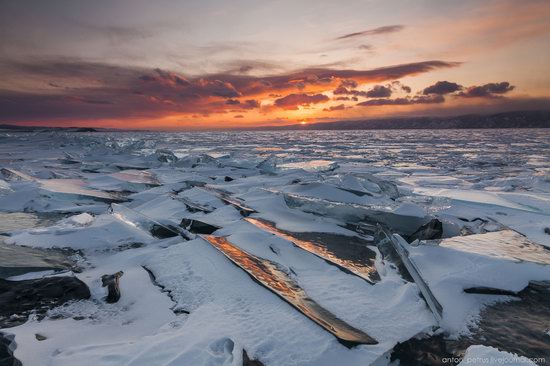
(207, 65)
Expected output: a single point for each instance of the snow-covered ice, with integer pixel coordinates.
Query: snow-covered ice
(320, 207)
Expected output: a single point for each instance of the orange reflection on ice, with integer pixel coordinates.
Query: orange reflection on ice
(360, 265)
(270, 275)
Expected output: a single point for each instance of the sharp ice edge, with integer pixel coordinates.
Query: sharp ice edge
(160, 175)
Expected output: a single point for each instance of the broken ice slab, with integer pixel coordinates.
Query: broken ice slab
(347, 253)
(198, 227)
(518, 326)
(19, 299)
(7, 349)
(13, 221)
(311, 165)
(401, 247)
(15, 175)
(136, 176)
(505, 244)
(230, 200)
(191, 206)
(429, 231)
(16, 260)
(354, 213)
(63, 186)
(270, 275)
(144, 222)
(77, 187)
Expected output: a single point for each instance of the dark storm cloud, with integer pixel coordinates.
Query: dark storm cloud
(490, 90)
(375, 31)
(293, 101)
(442, 88)
(422, 99)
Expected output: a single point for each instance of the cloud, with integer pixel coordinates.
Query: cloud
(442, 88)
(347, 86)
(339, 107)
(293, 101)
(375, 31)
(88, 101)
(117, 92)
(366, 47)
(355, 99)
(422, 99)
(379, 91)
(490, 90)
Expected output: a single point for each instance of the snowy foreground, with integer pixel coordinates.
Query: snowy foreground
(317, 248)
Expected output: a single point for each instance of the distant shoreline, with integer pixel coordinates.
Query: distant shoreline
(505, 120)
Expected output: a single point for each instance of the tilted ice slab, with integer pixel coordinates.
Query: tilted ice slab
(103, 232)
(224, 302)
(448, 272)
(481, 197)
(76, 187)
(504, 244)
(278, 279)
(102, 331)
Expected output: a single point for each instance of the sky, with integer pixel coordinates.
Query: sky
(207, 64)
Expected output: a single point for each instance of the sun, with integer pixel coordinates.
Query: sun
(303, 122)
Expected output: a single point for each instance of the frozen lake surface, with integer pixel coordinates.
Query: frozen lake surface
(284, 248)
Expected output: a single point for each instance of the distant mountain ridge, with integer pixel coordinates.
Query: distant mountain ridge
(516, 119)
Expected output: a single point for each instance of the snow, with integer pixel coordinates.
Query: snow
(448, 271)
(201, 309)
(484, 355)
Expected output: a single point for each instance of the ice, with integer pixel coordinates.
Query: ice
(504, 244)
(449, 271)
(105, 232)
(316, 206)
(274, 278)
(311, 165)
(84, 219)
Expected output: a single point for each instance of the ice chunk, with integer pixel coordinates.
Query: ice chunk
(16, 260)
(311, 165)
(348, 253)
(271, 276)
(505, 244)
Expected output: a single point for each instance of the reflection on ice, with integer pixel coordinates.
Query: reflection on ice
(136, 176)
(310, 165)
(14, 221)
(270, 275)
(77, 187)
(437, 189)
(349, 253)
(505, 244)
